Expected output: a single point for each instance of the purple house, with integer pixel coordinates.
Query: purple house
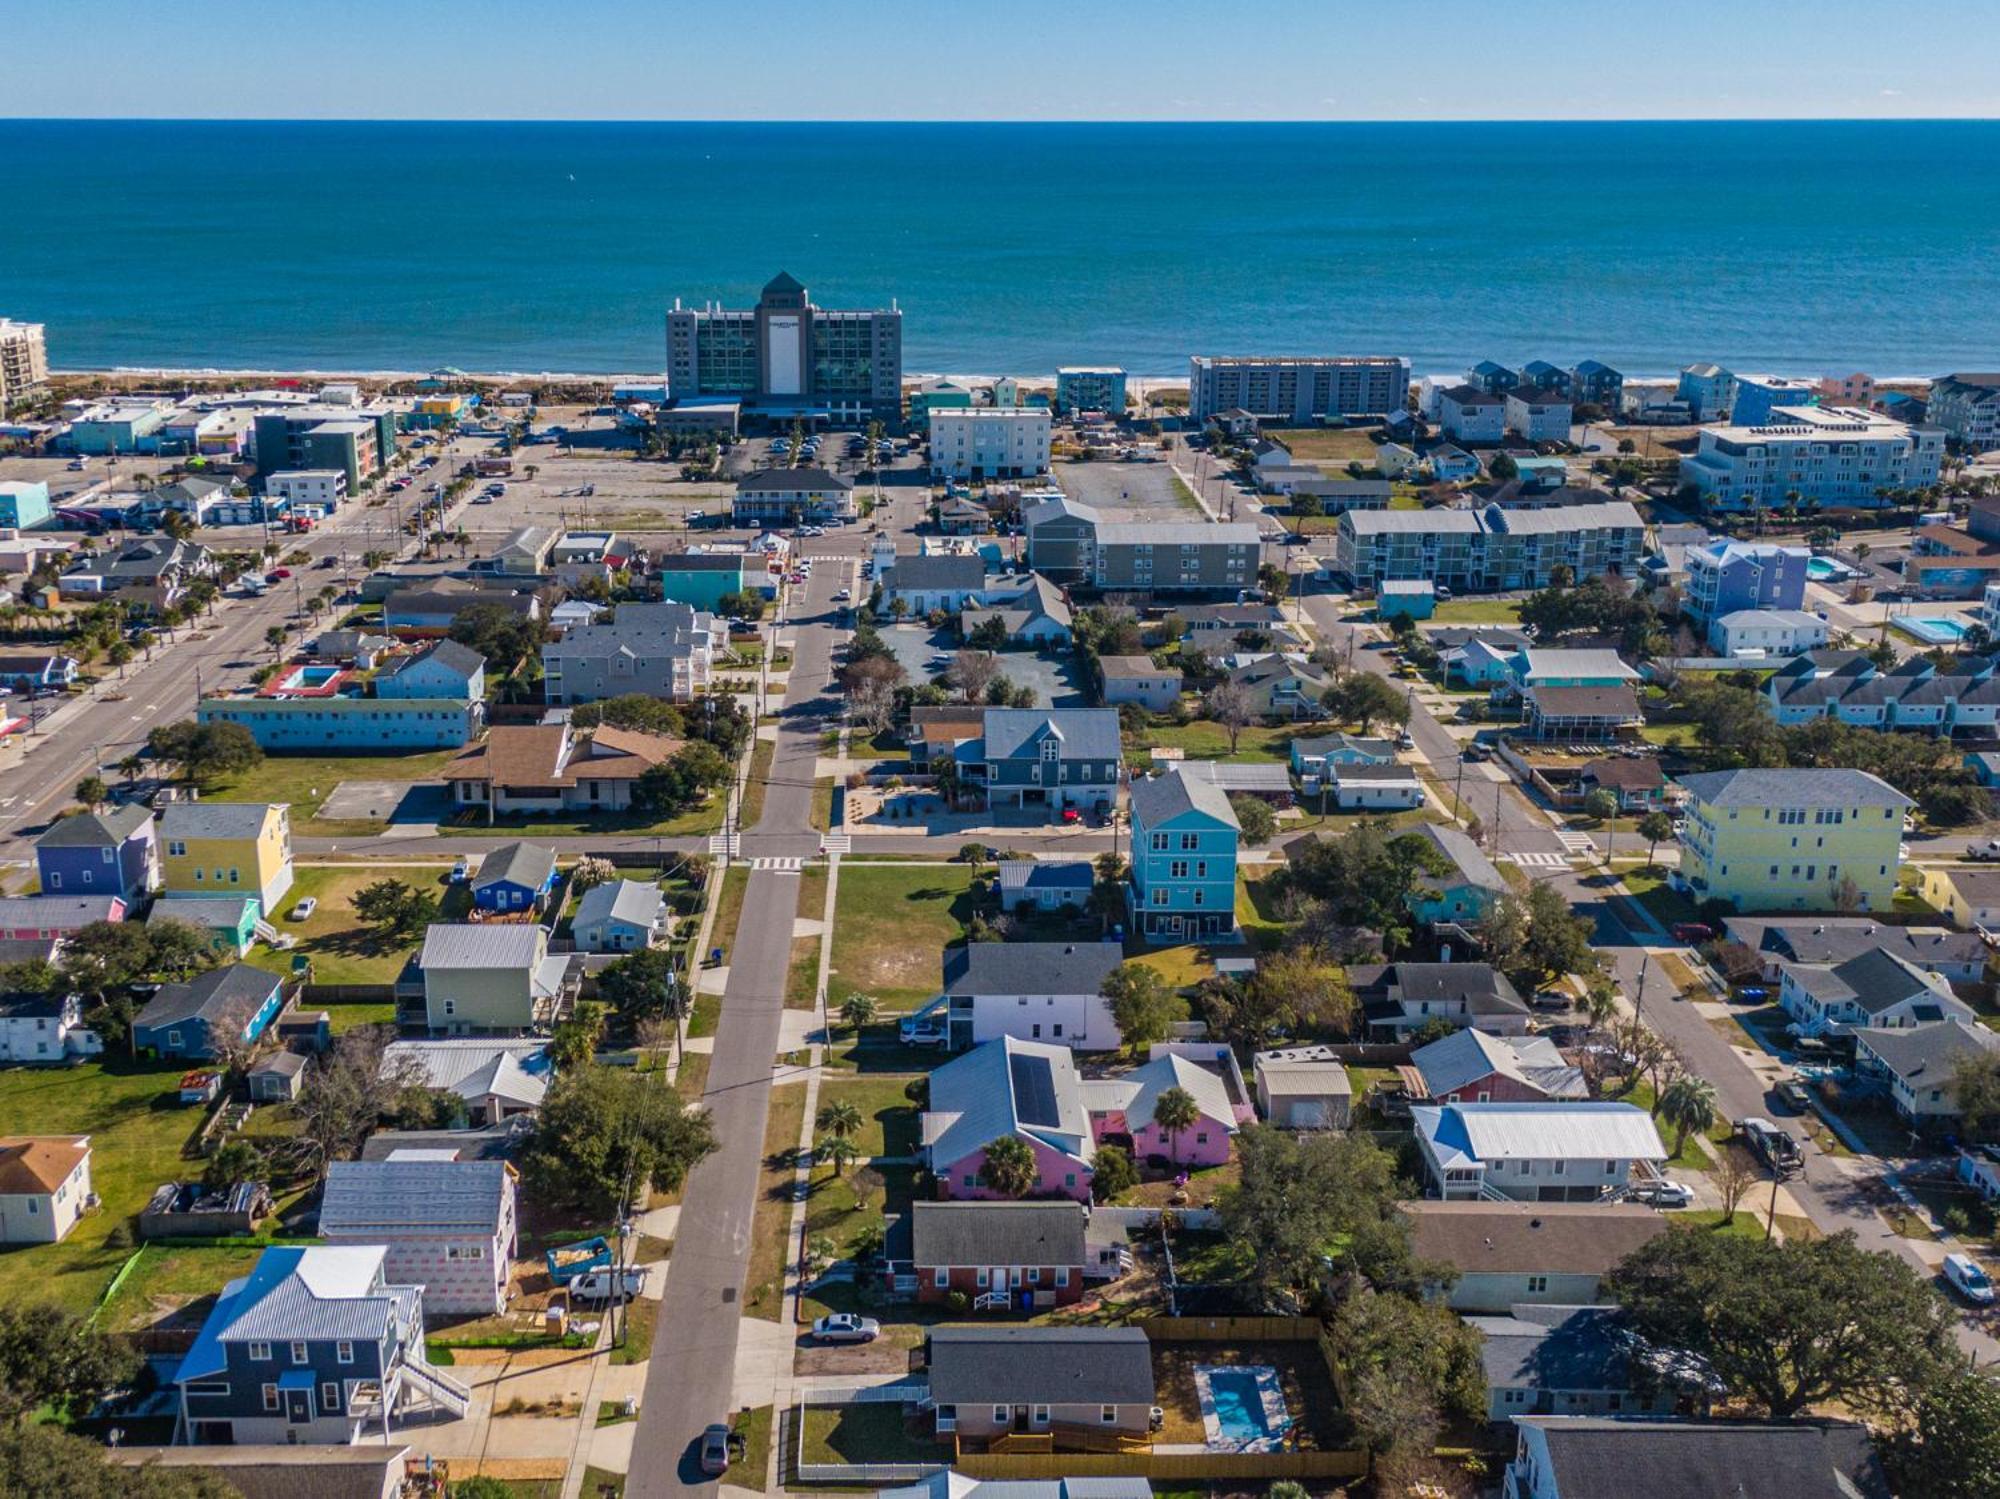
(113, 852)
(1009, 1087)
(1122, 1110)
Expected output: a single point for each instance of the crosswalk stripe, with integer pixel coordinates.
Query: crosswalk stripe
(837, 843)
(723, 843)
(1577, 843)
(1539, 860)
(773, 862)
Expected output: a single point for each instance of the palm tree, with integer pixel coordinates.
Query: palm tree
(838, 1118)
(1010, 1167)
(130, 768)
(1174, 1111)
(857, 1010)
(1687, 1106)
(837, 1151)
(1655, 827)
(275, 639)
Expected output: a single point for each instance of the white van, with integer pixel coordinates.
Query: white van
(1968, 1279)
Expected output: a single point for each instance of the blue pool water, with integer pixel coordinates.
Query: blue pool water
(1821, 569)
(313, 676)
(1942, 629)
(1236, 1397)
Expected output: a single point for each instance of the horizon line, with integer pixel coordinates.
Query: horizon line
(1982, 119)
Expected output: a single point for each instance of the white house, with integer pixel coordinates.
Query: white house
(619, 916)
(448, 1226)
(1388, 787)
(1396, 461)
(1032, 991)
(1876, 989)
(44, 1186)
(989, 442)
(925, 583)
(1538, 415)
(34, 1028)
(1536, 1152)
(323, 487)
(1767, 632)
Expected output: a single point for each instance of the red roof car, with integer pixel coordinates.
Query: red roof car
(1070, 814)
(1691, 932)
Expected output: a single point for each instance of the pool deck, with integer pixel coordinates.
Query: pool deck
(1931, 629)
(1270, 1395)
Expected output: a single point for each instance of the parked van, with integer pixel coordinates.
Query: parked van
(1968, 1279)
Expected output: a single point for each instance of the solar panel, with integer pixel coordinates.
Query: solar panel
(1034, 1091)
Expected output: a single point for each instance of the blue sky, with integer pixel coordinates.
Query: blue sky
(1026, 59)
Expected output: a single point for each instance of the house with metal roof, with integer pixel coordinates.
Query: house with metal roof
(1601, 1457)
(494, 978)
(619, 916)
(1316, 755)
(1032, 991)
(498, 1080)
(44, 1186)
(1536, 1152)
(1185, 839)
(1875, 989)
(315, 1344)
(1046, 884)
(448, 1226)
(1029, 1089)
(1273, 783)
(1511, 1253)
(1053, 759)
(1303, 1087)
(1074, 1386)
(95, 852)
(1471, 1065)
(226, 1007)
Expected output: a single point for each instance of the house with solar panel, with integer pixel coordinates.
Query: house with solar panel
(1028, 1089)
(315, 1344)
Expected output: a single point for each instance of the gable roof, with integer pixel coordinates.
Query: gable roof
(1595, 1458)
(1086, 733)
(316, 1292)
(1472, 866)
(1474, 1133)
(632, 901)
(106, 829)
(1006, 1087)
(35, 1165)
(1585, 702)
(941, 570)
(56, 912)
(1030, 967)
(1793, 788)
(977, 1365)
(1480, 987)
(1125, 668)
(1834, 939)
(1137, 1093)
(1046, 874)
(791, 481)
(1876, 980)
(219, 995)
(499, 944)
(1537, 661)
(273, 1472)
(1468, 1055)
(434, 1197)
(183, 820)
(515, 1071)
(1156, 800)
(1923, 1056)
(997, 1233)
(1520, 1238)
(529, 865)
(1556, 1348)
(447, 653)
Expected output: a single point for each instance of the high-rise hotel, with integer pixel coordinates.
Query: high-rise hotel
(786, 358)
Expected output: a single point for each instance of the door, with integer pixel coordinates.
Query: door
(997, 1278)
(298, 1407)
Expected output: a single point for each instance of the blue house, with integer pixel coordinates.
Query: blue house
(515, 877)
(1052, 758)
(1184, 838)
(1314, 757)
(1415, 598)
(187, 1020)
(701, 579)
(442, 669)
(314, 1345)
(1986, 766)
(23, 504)
(113, 852)
(1465, 892)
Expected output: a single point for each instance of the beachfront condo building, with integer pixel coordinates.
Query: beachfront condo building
(1967, 406)
(24, 360)
(356, 440)
(787, 359)
(1822, 455)
(1090, 388)
(1480, 551)
(990, 442)
(1791, 840)
(1297, 392)
(1757, 396)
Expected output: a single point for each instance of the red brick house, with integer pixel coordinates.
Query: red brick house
(1036, 1254)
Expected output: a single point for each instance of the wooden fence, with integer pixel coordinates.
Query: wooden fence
(1231, 1329)
(1191, 1467)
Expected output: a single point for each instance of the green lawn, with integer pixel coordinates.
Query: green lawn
(762, 754)
(136, 1132)
(888, 1118)
(1260, 925)
(747, 1471)
(728, 908)
(304, 782)
(1335, 445)
(891, 925)
(1649, 888)
(1477, 612)
(342, 949)
(1202, 740)
(841, 1206)
(164, 1281)
(706, 818)
(870, 1433)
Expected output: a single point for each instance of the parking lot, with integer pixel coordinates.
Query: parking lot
(1053, 678)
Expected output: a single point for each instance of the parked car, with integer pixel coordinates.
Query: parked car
(846, 1327)
(1551, 999)
(1664, 1194)
(304, 909)
(597, 1285)
(1694, 933)
(281, 572)
(921, 1030)
(1985, 853)
(1964, 1276)
(715, 1447)
(1793, 1095)
(1406, 740)
(461, 870)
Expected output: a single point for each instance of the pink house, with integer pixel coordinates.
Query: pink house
(1031, 1090)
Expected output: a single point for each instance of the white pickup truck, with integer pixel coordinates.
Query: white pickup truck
(1984, 853)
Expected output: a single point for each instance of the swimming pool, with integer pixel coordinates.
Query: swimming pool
(1826, 570)
(1936, 629)
(1242, 1407)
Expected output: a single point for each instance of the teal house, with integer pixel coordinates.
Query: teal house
(700, 579)
(1415, 598)
(228, 921)
(23, 504)
(1184, 840)
(1465, 892)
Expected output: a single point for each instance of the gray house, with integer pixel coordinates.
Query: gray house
(448, 1226)
(1135, 679)
(1053, 759)
(619, 916)
(1572, 1360)
(1177, 556)
(495, 978)
(1511, 1253)
(225, 1006)
(1062, 539)
(664, 650)
(1071, 1384)
(924, 583)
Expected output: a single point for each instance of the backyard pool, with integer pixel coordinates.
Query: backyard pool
(1242, 1407)
(1936, 629)
(307, 681)
(1827, 570)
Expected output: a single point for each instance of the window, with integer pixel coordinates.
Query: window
(1000, 1414)
(465, 1252)
(1108, 1414)
(329, 1396)
(298, 1353)
(1190, 842)
(208, 1387)
(343, 1352)
(1538, 1285)
(260, 1352)
(270, 1397)
(982, 1279)
(941, 1278)
(1041, 1415)
(1159, 843)
(1062, 1275)
(177, 849)
(55, 879)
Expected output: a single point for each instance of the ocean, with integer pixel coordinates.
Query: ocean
(1790, 247)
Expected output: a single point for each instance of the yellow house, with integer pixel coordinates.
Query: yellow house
(1793, 840)
(228, 848)
(1970, 897)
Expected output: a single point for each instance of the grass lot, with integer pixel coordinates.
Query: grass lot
(638, 1347)
(706, 818)
(136, 1131)
(163, 1282)
(771, 1237)
(747, 1471)
(728, 908)
(802, 979)
(1183, 966)
(304, 782)
(1336, 445)
(822, 804)
(343, 951)
(1669, 734)
(841, 1206)
(1202, 740)
(691, 1081)
(871, 1433)
(888, 1118)
(1259, 923)
(761, 756)
(1691, 1156)
(1185, 496)
(1477, 612)
(1649, 888)
(891, 925)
